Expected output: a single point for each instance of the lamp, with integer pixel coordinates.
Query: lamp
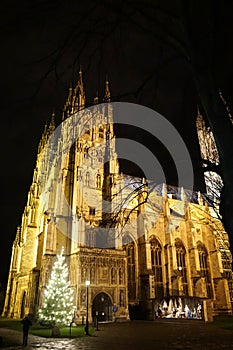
(87, 326)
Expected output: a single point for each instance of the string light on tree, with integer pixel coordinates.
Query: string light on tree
(58, 305)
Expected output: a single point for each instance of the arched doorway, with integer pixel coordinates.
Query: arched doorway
(102, 306)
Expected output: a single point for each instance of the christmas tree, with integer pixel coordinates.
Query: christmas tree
(58, 305)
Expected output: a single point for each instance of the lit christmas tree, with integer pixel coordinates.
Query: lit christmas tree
(58, 305)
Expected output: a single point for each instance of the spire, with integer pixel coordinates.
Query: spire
(69, 98)
(43, 139)
(67, 105)
(107, 92)
(48, 130)
(52, 122)
(78, 101)
(18, 237)
(96, 99)
(80, 81)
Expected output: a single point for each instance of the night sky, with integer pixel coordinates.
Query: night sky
(43, 44)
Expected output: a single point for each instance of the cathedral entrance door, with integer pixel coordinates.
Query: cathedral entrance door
(102, 307)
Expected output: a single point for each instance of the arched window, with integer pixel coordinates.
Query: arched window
(204, 267)
(156, 262)
(129, 246)
(98, 181)
(181, 264)
(87, 180)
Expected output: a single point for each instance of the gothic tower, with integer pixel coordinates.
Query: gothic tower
(141, 246)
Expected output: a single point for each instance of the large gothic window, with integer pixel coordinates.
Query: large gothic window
(129, 247)
(156, 262)
(204, 267)
(181, 264)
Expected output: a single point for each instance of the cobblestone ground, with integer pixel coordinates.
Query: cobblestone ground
(159, 334)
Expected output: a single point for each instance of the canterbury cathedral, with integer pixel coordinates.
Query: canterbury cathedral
(147, 249)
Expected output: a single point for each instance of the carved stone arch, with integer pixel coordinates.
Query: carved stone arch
(102, 306)
(127, 239)
(179, 244)
(154, 238)
(201, 246)
(104, 292)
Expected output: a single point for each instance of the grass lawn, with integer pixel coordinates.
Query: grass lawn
(37, 329)
(76, 332)
(224, 321)
(12, 324)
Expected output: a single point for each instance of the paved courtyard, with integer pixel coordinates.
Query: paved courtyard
(160, 334)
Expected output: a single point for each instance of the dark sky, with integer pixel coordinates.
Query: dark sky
(43, 43)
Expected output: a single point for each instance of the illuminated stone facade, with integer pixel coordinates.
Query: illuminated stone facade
(146, 250)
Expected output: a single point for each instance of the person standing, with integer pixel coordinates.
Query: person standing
(26, 322)
(187, 311)
(199, 311)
